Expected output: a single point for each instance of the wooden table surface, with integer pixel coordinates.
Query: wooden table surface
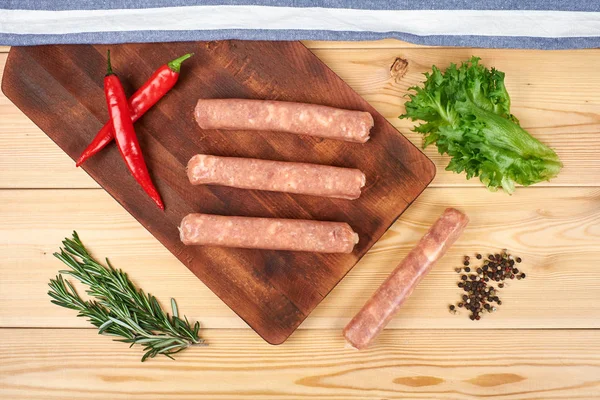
(543, 343)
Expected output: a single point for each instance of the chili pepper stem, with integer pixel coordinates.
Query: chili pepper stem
(109, 70)
(175, 65)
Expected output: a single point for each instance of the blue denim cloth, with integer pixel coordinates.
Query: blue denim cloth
(61, 8)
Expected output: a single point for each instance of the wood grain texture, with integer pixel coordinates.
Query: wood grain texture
(553, 96)
(59, 88)
(413, 364)
(556, 232)
(562, 109)
(560, 225)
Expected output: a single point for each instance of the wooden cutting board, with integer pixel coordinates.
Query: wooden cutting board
(60, 89)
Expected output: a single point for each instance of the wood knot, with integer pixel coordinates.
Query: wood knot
(491, 380)
(398, 68)
(418, 381)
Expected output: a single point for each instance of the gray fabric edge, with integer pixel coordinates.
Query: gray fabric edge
(558, 5)
(518, 42)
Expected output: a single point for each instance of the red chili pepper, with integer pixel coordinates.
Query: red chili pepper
(161, 81)
(125, 136)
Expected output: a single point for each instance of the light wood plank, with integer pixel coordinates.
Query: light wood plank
(4, 49)
(556, 100)
(410, 364)
(556, 232)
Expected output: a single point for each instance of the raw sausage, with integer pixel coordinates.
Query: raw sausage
(277, 176)
(267, 233)
(283, 116)
(384, 303)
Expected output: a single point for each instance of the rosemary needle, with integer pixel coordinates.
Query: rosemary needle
(118, 308)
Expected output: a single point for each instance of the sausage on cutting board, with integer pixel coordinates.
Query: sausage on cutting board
(277, 176)
(283, 116)
(388, 298)
(267, 233)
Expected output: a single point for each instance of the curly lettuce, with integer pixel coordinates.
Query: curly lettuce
(467, 115)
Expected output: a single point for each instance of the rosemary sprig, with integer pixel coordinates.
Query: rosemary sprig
(119, 308)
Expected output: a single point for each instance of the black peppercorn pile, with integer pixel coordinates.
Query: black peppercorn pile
(477, 282)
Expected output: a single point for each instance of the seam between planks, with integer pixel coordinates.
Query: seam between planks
(6, 49)
(432, 186)
(65, 328)
(400, 47)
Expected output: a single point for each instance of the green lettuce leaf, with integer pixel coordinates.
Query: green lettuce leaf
(467, 115)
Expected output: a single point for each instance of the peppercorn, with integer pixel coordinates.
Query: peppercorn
(457, 270)
(478, 295)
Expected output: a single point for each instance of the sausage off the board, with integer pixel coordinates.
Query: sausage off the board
(277, 176)
(267, 233)
(283, 116)
(392, 293)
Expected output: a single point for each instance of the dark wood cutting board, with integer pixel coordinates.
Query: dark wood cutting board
(60, 89)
